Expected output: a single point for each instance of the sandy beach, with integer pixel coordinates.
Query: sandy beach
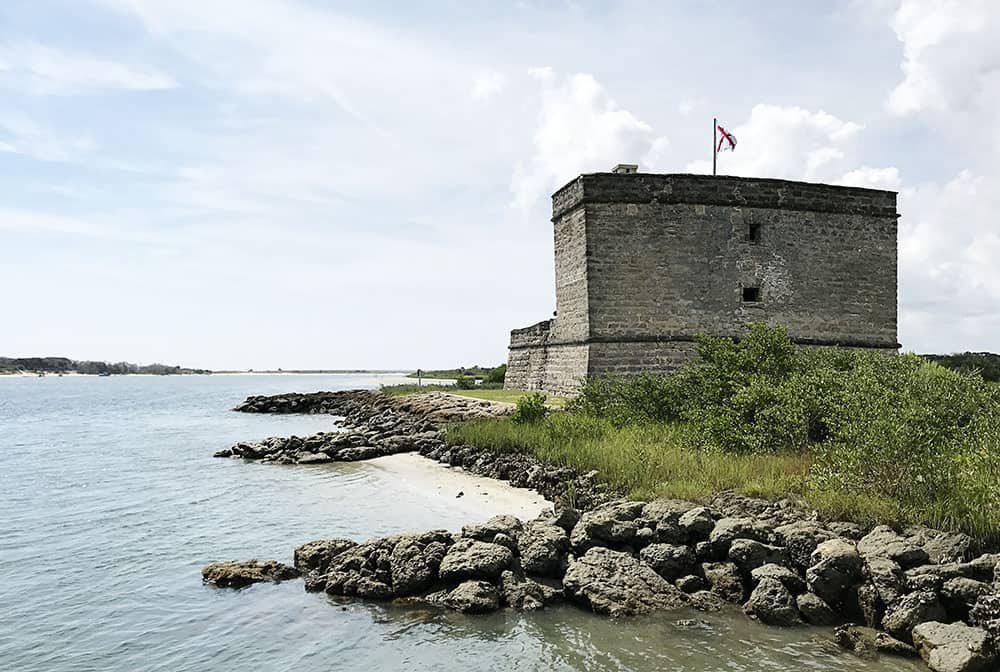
(481, 497)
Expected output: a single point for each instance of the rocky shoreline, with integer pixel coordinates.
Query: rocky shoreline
(913, 592)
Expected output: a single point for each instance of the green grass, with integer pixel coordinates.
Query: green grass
(509, 396)
(649, 460)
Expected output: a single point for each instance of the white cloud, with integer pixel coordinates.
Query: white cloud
(46, 70)
(580, 129)
(487, 85)
(872, 178)
(20, 135)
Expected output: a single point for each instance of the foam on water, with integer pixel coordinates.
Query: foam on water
(111, 503)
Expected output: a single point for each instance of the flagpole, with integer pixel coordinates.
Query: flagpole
(715, 152)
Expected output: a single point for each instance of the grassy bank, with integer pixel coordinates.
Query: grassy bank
(857, 435)
(508, 396)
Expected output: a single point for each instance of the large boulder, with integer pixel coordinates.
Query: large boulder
(473, 597)
(671, 561)
(910, 611)
(942, 547)
(835, 567)
(663, 517)
(772, 603)
(960, 594)
(543, 548)
(367, 569)
(508, 525)
(315, 556)
(790, 579)
(748, 554)
(986, 614)
(615, 583)
(728, 529)
(868, 642)
(725, 580)
(413, 568)
(954, 647)
(801, 538)
(524, 594)
(613, 524)
(887, 577)
(471, 559)
(883, 542)
(815, 611)
(237, 574)
(697, 523)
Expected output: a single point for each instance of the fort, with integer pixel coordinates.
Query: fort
(645, 262)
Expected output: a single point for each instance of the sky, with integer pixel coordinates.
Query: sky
(239, 184)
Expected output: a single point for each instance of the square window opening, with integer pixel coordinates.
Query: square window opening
(751, 294)
(753, 233)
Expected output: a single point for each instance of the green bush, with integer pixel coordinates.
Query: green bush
(530, 409)
(496, 376)
(465, 382)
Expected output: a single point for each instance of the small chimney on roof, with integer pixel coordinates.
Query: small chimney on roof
(625, 169)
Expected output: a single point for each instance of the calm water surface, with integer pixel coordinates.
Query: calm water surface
(111, 503)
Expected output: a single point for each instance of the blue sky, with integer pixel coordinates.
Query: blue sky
(282, 183)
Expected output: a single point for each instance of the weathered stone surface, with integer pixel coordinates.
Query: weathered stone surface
(986, 614)
(725, 580)
(883, 542)
(543, 548)
(474, 597)
(772, 603)
(941, 547)
(615, 583)
(835, 567)
(315, 556)
(868, 642)
(691, 583)
(611, 524)
(706, 600)
(910, 611)
(524, 594)
(958, 596)
(728, 529)
(663, 517)
(671, 561)
(801, 538)
(237, 574)
(411, 569)
(471, 559)
(870, 604)
(697, 523)
(887, 577)
(790, 579)
(815, 611)
(748, 554)
(508, 525)
(954, 648)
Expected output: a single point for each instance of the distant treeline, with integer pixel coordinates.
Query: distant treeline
(986, 363)
(487, 374)
(66, 365)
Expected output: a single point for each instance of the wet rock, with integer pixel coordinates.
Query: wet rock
(748, 554)
(883, 542)
(790, 579)
(869, 604)
(771, 603)
(910, 611)
(868, 642)
(473, 597)
(507, 525)
(725, 580)
(960, 594)
(835, 567)
(611, 524)
(543, 548)
(691, 583)
(315, 556)
(954, 648)
(815, 611)
(706, 600)
(670, 561)
(411, 570)
(237, 574)
(313, 458)
(524, 594)
(728, 529)
(471, 559)
(697, 523)
(615, 583)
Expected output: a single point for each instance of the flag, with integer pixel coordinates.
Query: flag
(726, 140)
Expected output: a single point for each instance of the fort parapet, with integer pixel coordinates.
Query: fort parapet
(644, 263)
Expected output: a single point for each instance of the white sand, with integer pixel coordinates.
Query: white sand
(483, 497)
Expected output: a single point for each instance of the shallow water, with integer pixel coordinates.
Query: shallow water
(111, 503)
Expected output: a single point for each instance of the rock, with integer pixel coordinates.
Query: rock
(887, 577)
(986, 614)
(473, 597)
(835, 567)
(691, 583)
(845, 529)
(771, 603)
(960, 594)
(237, 574)
(800, 539)
(725, 580)
(790, 579)
(663, 516)
(941, 547)
(615, 583)
(954, 648)
(524, 594)
(566, 518)
(668, 560)
(706, 600)
(508, 525)
(748, 554)
(868, 642)
(471, 559)
(697, 523)
(930, 577)
(870, 604)
(313, 458)
(315, 556)
(728, 529)
(613, 523)
(410, 569)
(883, 542)
(983, 568)
(910, 611)
(543, 548)
(815, 611)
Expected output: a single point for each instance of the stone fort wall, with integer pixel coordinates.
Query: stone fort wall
(645, 262)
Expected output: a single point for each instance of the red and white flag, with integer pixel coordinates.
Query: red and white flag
(726, 140)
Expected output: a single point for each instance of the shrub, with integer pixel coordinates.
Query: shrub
(530, 409)
(496, 376)
(465, 382)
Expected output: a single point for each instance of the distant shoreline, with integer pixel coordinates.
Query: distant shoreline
(49, 374)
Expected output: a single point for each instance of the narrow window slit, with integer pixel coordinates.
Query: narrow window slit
(753, 233)
(751, 294)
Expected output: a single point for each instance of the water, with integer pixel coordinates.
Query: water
(111, 503)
